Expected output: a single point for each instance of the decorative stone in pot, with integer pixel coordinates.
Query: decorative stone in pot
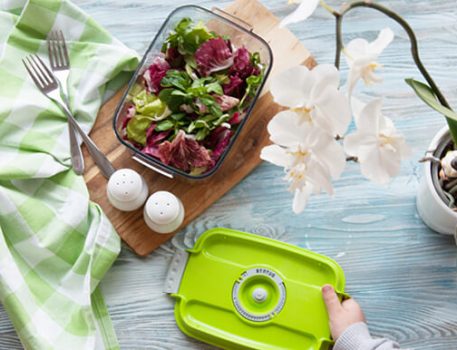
(432, 202)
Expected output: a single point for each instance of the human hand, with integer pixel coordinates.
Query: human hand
(341, 315)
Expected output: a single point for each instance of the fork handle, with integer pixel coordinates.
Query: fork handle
(77, 159)
(99, 158)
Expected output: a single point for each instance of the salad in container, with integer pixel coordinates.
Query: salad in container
(192, 93)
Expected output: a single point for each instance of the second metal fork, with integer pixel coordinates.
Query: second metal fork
(60, 65)
(48, 84)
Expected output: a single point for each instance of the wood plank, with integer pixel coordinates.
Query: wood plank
(402, 274)
(242, 159)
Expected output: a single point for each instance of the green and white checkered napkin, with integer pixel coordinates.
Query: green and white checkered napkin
(55, 245)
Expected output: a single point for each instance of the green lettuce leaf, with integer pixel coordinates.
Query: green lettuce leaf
(150, 105)
(165, 125)
(176, 78)
(187, 37)
(137, 127)
(252, 84)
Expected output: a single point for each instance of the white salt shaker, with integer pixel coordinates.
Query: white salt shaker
(163, 212)
(127, 190)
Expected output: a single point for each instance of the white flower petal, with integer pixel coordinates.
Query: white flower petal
(300, 198)
(354, 75)
(286, 129)
(326, 75)
(379, 164)
(391, 161)
(370, 117)
(357, 107)
(371, 165)
(352, 142)
(276, 155)
(303, 11)
(403, 148)
(332, 155)
(332, 111)
(319, 176)
(355, 49)
(386, 126)
(291, 87)
(383, 40)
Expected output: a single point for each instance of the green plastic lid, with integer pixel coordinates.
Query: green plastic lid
(237, 290)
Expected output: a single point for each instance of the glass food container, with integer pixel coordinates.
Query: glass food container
(240, 34)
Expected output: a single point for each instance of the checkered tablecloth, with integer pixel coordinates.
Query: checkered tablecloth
(55, 245)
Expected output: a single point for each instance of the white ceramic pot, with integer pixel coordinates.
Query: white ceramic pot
(431, 208)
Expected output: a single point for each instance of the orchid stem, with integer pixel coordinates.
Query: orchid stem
(327, 7)
(412, 37)
(414, 50)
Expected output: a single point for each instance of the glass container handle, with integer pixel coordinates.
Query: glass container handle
(157, 170)
(234, 18)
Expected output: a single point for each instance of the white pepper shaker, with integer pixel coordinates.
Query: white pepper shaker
(163, 212)
(127, 190)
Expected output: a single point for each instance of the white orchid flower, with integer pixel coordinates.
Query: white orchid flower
(362, 57)
(314, 96)
(378, 146)
(303, 11)
(310, 157)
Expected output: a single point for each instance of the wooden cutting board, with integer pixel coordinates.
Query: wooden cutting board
(242, 159)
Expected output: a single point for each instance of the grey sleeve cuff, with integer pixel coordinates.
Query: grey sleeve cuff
(357, 337)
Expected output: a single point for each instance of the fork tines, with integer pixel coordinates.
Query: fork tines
(57, 49)
(39, 72)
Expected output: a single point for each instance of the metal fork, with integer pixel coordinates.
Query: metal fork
(60, 65)
(48, 84)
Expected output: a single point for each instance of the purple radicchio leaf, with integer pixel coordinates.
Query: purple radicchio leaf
(226, 102)
(242, 66)
(184, 153)
(235, 87)
(236, 118)
(129, 114)
(218, 141)
(174, 58)
(212, 56)
(154, 74)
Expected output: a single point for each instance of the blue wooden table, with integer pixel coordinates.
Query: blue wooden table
(403, 274)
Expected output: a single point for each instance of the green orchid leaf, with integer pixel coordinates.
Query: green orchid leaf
(426, 94)
(137, 127)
